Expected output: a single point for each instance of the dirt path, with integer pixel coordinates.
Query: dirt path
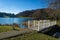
(14, 33)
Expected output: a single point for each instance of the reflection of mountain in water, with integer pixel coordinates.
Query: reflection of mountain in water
(52, 31)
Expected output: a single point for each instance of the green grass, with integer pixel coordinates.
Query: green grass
(5, 28)
(29, 36)
(58, 22)
(33, 36)
(8, 28)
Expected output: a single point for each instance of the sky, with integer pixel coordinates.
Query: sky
(16, 6)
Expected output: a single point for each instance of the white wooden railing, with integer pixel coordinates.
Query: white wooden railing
(40, 24)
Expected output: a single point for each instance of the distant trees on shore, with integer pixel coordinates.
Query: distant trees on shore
(14, 24)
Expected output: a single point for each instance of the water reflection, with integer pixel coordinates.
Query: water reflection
(18, 21)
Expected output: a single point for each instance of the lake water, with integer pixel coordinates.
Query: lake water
(18, 21)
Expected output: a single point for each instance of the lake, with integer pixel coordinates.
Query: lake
(18, 21)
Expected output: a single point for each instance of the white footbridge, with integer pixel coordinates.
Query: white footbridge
(40, 24)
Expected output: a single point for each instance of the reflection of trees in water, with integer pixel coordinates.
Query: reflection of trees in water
(5, 24)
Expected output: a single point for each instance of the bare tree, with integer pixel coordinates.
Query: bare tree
(55, 4)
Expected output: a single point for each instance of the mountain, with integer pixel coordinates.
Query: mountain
(24, 14)
(3, 14)
(45, 13)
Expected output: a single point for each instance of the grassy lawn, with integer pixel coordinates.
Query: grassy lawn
(7, 28)
(33, 36)
(58, 22)
(30, 36)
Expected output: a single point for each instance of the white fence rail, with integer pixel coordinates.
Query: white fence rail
(40, 24)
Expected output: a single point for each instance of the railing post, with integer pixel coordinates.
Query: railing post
(28, 24)
(38, 25)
